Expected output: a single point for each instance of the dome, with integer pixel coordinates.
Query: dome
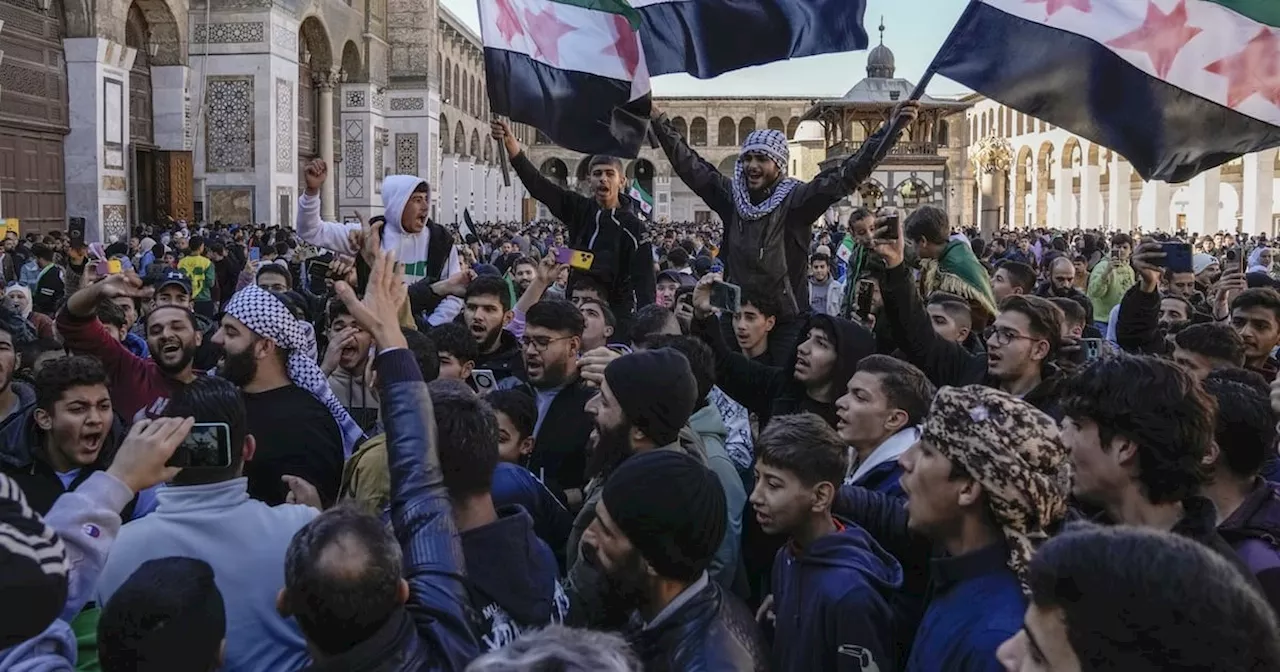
(809, 131)
(880, 63)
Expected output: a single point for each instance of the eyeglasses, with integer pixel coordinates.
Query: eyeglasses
(1002, 336)
(541, 344)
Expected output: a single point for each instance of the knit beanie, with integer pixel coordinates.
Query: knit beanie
(672, 510)
(657, 391)
(769, 142)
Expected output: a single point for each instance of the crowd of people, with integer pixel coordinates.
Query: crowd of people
(781, 442)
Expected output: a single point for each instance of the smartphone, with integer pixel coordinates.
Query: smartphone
(101, 269)
(484, 381)
(581, 260)
(208, 446)
(1115, 254)
(564, 255)
(1091, 347)
(114, 266)
(865, 295)
(1177, 257)
(255, 254)
(891, 225)
(726, 296)
(317, 273)
(1242, 260)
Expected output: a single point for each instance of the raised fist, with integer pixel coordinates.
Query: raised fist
(316, 173)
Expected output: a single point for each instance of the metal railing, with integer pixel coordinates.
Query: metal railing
(846, 147)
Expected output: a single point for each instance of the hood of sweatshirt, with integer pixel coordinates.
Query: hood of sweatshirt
(852, 549)
(852, 342)
(707, 423)
(509, 565)
(396, 190)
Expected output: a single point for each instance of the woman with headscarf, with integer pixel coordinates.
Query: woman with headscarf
(1260, 260)
(21, 297)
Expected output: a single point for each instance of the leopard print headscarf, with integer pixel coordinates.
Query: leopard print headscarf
(1014, 451)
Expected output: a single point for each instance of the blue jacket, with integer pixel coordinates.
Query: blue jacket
(512, 578)
(833, 604)
(975, 605)
(513, 485)
(884, 478)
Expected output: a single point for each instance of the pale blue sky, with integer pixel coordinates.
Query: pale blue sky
(914, 30)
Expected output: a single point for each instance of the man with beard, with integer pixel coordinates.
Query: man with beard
(488, 312)
(550, 345)
(139, 387)
(1062, 284)
(14, 394)
(301, 428)
(658, 522)
(645, 399)
(524, 271)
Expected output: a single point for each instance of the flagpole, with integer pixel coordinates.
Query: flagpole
(927, 77)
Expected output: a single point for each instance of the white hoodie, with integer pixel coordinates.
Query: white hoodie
(411, 248)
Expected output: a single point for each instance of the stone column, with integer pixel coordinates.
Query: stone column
(450, 213)
(1153, 206)
(1121, 195)
(1090, 196)
(96, 151)
(1259, 191)
(989, 190)
(1066, 198)
(1205, 212)
(325, 81)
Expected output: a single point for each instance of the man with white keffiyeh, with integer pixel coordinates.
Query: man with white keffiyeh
(300, 427)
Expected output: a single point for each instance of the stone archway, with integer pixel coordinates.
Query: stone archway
(1043, 183)
(727, 165)
(871, 194)
(352, 64)
(474, 152)
(315, 65)
(643, 172)
(459, 139)
(1022, 173)
(445, 147)
(555, 170)
(164, 34)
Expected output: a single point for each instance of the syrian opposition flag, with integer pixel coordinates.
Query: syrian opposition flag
(706, 38)
(639, 195)
(1175, 86)
(574, 69)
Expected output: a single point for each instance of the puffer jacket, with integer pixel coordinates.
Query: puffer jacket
(771, 253)
(433, 632)
(713, 630)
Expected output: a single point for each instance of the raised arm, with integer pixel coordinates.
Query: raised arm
(81, 331)
(329, 235)
(813, 198)
(420, 510)
(697, 173)
(560, 201)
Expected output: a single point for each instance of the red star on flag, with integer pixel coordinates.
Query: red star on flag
(1254, 70)
(1161, 36)
(626, 45)
(508, 21)
(546, 29)
(1055, 6)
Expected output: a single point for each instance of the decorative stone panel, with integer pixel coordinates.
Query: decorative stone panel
(229, 33)
(378, 170)
(353, 157)
(232, 205)
(229, 131)
(407, 153)
(379, 101)
(407, 104)
(113, 183)
(114, 222)
(354, 98)
(284, 125)
(284, 38)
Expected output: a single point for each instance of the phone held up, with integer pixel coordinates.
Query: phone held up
(865, 296)
(1177, 257)
(726, 296)
(483, 381)
(208, 446)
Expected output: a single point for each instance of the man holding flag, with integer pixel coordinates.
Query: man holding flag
(608, 225)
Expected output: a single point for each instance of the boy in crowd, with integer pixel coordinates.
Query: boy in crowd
(832, 583)
(457, 350)
(879, 417)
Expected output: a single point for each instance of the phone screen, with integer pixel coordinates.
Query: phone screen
(726, 296)
(866, 294)
(484, 380)
(1177, 257)
(255, 253)
(208, 446)
(1091, 347)
(564, 255)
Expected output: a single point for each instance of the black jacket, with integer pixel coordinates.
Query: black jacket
(617, 237)
(433, 631)
(772, 390)
(713, 631)
(947, 362)
(49, 291)
(1138, 323)
(506, 361)
(559, 456)
(22, 458)
(771, 253)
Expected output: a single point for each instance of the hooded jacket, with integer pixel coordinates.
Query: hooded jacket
(617, 237)
(512, 579)
(833, 604)
(707, 424)
(22, 459)
(1253, 530)
(771, 253)
(428, 254)
(767, 390)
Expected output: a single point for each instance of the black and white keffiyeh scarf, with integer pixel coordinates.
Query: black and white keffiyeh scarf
(774, 145)
(267, 317)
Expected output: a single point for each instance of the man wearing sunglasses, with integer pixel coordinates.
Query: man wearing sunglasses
(1020, 344)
